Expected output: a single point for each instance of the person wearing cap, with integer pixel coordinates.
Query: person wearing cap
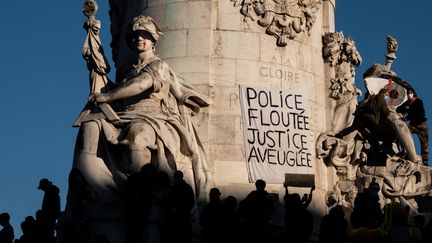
(50, 203)
(414, 112)
(155, 127)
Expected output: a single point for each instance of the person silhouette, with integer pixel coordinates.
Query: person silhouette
(7, 232)
(333, 226)
(257, 210)
(212, 218)
(50, 202)
(177, 226)
(298, 220)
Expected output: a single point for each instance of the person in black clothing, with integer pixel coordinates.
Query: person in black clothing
(231, 220)
(50, 202)
(333, 226)
(298, 220)
(138, 190)
(212, 218)
(29, 230)
(415, 113)
(7, 232)
(177, 226)
(371, 120)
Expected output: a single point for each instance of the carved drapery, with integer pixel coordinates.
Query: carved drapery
(284, 19)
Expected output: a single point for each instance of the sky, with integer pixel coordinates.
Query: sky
(44, 81)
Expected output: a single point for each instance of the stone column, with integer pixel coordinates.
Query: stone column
(217, 45)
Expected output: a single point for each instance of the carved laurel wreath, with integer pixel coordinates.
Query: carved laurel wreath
(284, 19)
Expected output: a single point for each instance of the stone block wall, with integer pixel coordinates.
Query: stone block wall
(209, 43)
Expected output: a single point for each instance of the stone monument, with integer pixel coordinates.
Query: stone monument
(279, 85)
(261, 64)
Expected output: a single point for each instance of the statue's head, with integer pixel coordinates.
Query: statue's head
(143, 24)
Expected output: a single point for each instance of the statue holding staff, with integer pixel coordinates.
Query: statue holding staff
(144, 118)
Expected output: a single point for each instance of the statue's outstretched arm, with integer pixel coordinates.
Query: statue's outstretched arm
(128, 89)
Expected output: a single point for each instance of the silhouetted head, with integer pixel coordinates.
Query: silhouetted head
(178, 176)
(296, 200)
(260, 185)
(148, 169)
(214, 194)
(4, 219)
(231, 203)
(27, 226)
(40, 215)
(44, 184)
(337, 211)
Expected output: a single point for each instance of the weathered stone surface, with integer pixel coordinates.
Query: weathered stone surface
(226, 101)
(175, 44)
(198, 42)
(236, 45)
(223, 72)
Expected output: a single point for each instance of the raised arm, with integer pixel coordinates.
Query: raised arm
(130, 88)
(308, 198)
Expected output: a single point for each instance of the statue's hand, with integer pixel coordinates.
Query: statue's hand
(97, 97)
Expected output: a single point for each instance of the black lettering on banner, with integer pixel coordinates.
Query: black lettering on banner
(251, 116)
(251, 94)
(280, 157)
(267, 113)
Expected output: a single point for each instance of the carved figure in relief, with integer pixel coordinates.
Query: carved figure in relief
(153, 111)
(284, 19)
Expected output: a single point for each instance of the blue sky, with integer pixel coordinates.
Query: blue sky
(44, 81)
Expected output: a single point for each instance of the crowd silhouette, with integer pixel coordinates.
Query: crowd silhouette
(158, 210)
(40, 227)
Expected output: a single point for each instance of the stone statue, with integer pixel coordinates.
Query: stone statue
(144, 118)
(354, 154)
(392, 47)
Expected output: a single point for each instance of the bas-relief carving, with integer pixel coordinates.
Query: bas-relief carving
(351, 156)
(284, 19)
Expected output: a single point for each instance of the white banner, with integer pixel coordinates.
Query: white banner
(277, 137)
